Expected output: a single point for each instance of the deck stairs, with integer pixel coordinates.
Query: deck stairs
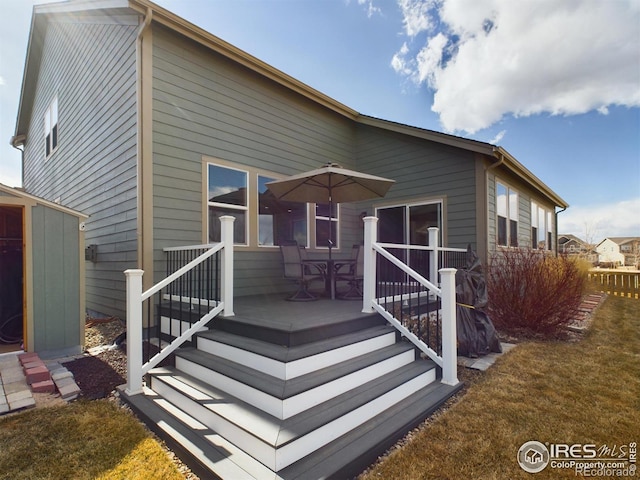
(251, 399)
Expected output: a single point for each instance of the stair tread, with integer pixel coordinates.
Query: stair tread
(287, 354)
(201, 448)
(283, 389)
(345, 457)
(280, 432)
(350, 454)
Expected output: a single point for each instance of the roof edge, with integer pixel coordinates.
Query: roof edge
(523, 172)
(19, 193)
(207, 39)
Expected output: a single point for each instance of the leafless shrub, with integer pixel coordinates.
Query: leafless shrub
(534, 293)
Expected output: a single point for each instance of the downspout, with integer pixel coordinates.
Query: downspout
(19, 141)
(140, 137)
(556, 228)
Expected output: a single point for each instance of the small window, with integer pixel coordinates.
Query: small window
(227, 195)
(534, 225)
(51, 128)
(549, 231)
(507, 210)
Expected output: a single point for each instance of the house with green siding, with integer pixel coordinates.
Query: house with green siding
(136, 117)
(157, 130)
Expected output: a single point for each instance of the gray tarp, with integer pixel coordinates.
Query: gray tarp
(475, 331)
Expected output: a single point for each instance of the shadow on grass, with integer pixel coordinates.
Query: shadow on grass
(82, 440)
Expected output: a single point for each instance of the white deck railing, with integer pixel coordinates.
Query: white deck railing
(136, 369)
(445, 295)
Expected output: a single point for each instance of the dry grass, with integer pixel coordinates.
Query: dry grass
(82, 440)
(585, 392)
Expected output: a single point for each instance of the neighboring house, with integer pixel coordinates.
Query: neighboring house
(619, 251)
(156, 129)
(574, 246)
(144, 121)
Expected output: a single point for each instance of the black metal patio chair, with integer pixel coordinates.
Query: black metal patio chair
(351, 272)
(301, 270)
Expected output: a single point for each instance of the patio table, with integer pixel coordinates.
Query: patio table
(331, 266)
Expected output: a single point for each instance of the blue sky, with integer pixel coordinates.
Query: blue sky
(556, 83)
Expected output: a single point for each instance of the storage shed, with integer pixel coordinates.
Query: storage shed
(42, 302)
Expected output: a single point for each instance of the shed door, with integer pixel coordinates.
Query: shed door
(11, 277)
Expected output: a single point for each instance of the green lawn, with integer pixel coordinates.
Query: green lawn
(586, 392)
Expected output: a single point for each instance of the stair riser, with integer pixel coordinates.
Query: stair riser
(286, 408)
(294, 451)
(235, 464)
(265, 450)
(250, 444)
(296, 368)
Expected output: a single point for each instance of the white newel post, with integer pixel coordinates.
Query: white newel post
(226, 236)
(433, 261)
(134, 331)
(369, 273)
(449, 338)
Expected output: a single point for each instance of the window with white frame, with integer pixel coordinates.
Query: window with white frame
(507, 215)
(534, 225)
(51, 127)
(227, 195)
(549, 231)
(541, 228)
(279, 221)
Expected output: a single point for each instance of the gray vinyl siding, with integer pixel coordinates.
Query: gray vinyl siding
(92, 69)
(423, 170)
(206, 106)
(56, 282)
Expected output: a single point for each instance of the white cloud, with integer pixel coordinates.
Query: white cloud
(371, 8)
(2, 82)
(498, 138)
(621, 219)
(493, 58)
(416, 15)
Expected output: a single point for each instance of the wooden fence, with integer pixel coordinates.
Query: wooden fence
(624, 284)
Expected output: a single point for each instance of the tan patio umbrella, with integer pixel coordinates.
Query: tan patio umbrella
(330, 184)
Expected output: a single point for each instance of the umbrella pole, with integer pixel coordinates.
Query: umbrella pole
(330, 219)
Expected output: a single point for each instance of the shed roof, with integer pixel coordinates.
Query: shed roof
(16, 192)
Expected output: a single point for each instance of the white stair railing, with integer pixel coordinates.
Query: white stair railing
(445, 295)
(136, 297)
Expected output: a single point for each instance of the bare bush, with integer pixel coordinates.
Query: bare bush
(534, 293)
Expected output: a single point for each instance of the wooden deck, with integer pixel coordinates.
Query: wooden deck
(290, 390)
(275, 320)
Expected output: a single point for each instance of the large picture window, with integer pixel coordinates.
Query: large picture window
(279, 221)
(227, 195)
(51, 128)
(507, 215)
